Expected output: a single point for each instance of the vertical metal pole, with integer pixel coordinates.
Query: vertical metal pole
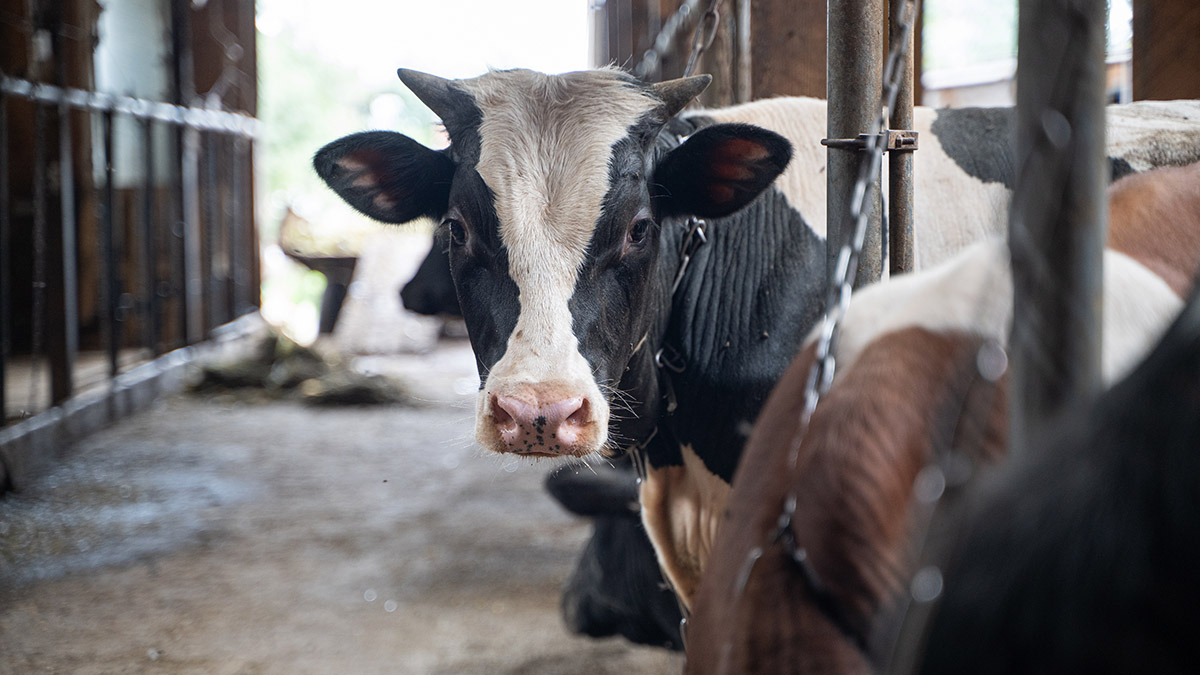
(900, 164)
(853, 85)
(176, 253)
(237, 238)
(64, 369)
(744, 90)
(185, 254)
(5, 261)
(112, 329)
(41, 311)
(210, 228)
(152, 314)
(222, 270)
(1058, 220)
(193, 289)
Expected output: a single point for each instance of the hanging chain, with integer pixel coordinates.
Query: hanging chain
(702, 38)
(706, 30)
(841, 286)
(840, 290)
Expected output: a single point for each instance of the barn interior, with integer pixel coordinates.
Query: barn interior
(227, 444)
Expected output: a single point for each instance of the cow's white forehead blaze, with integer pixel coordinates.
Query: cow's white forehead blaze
(545, 146)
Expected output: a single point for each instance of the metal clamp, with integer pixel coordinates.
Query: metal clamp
(691, 242)
(897, 140)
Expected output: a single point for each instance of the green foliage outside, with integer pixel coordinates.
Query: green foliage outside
(305, 102)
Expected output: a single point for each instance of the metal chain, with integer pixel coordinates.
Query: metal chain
(841, 288)
(703, 36)
(665, 39)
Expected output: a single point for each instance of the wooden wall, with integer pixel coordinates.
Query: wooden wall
(1166, 49)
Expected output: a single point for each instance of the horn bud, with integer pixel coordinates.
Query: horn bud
(435, 92)
(676, 94)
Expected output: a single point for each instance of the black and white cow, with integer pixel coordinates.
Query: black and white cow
(616, 587)
(430, 291)
(565, 199)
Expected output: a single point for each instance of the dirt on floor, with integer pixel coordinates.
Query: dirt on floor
(212, 535)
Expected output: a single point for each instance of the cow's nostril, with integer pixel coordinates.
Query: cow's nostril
(580, 416)
(529, 424)
(501, 416)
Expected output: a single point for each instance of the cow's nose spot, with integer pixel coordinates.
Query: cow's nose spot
(551, 427)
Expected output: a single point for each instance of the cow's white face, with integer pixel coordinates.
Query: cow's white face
(545, 146)
(551, 193)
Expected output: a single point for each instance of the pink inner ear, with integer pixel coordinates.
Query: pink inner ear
(739, 151)
(720, 193)
(352, 165)
(383, 201)
(364, 180)
(732, 172)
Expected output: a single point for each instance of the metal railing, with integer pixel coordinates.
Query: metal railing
(174, 249)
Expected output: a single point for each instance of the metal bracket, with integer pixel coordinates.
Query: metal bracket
(898, 140)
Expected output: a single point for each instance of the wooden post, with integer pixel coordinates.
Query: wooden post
(1058, 219)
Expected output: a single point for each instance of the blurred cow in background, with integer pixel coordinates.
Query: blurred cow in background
(617, 587)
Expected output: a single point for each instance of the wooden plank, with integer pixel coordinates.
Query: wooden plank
(1166, 50)
(787, 48)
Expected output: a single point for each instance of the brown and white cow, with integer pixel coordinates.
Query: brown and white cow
(565, 199)
(916, 372)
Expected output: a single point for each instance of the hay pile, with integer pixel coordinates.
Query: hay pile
(277, 368)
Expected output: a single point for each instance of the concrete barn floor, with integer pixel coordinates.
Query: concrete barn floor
(215, 536)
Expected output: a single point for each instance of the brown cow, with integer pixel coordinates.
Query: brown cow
(822, 593)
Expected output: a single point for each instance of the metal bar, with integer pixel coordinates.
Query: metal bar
(237, 238)
(900, 164)
(40, 311)
(223, 289)
(151, 308)
(178, 282)
(63, 367)
(210, 228)
(138, 108)
(853, 84)
(193, 286)
(112, 292)
(5, 262)
(745, 75)
(1058, 221)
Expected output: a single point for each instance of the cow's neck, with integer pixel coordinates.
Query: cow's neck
(749, 297)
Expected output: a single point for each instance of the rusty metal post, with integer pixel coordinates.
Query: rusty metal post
(900, 164)
(152, 315)
(112, 283)
(190, 237)
(5, 261)
(854, 55)
(1058, 221)
(64, 371)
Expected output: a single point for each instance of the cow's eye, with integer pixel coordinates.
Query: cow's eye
(456, 231)
(639, 231)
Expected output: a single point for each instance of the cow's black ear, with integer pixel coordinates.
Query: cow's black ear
(718, 170)
(386, 175)
(607, 492)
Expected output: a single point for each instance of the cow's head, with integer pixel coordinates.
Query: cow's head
(553, 193)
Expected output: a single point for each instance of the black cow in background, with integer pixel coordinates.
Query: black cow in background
(431, 290)
(617, 587)
(1083, 557)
